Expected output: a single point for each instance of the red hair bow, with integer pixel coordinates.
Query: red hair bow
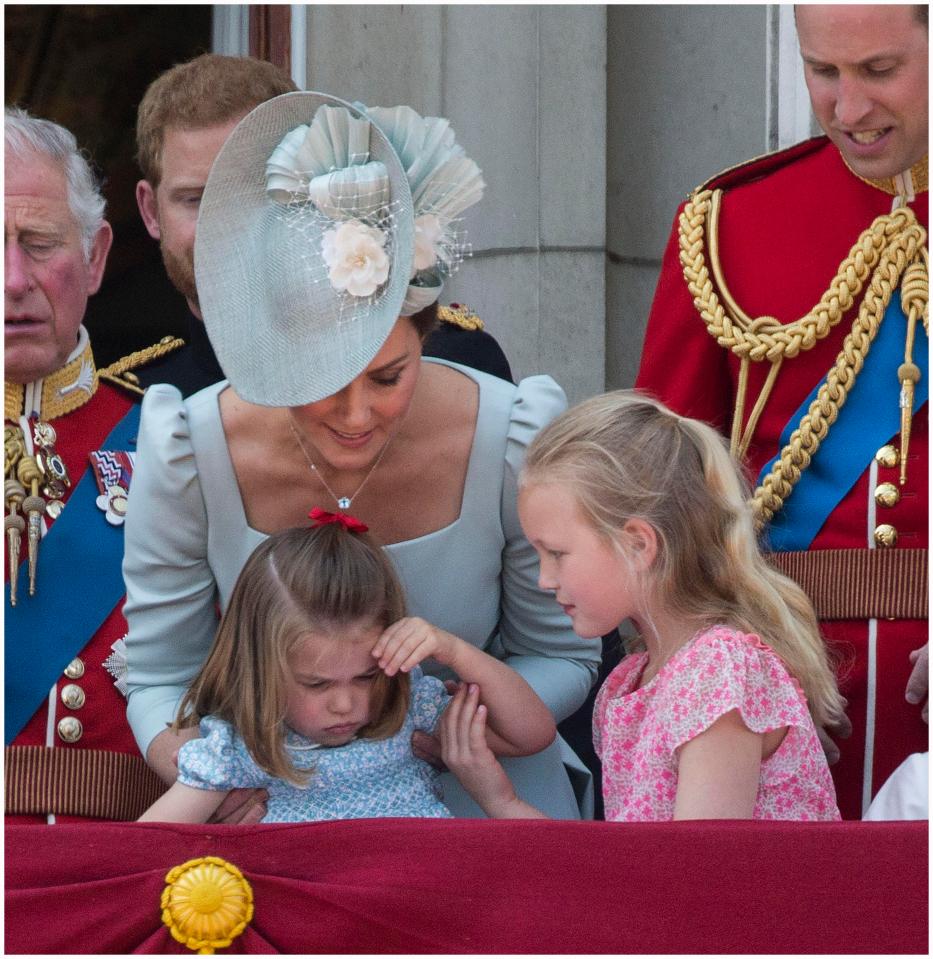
(322, 518)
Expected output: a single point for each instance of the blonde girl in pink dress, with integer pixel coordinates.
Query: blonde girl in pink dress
(640, 514)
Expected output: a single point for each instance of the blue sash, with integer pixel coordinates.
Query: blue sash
(870, 417)
(79, 581)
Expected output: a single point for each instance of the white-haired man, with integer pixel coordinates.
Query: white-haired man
(791, 311)
(68, 440)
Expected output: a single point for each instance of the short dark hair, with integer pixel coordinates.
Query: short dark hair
(921, 12)
(206, 91)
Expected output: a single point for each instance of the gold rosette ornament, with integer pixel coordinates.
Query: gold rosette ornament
(206, 904)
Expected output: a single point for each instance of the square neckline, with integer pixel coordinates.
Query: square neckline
(468, 482)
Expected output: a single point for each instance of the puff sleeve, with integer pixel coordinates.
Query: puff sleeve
(218, 760)
(429, 699)
(170, 589)
(536, 634)
(725, 670)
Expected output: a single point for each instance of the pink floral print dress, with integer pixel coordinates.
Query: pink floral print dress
(637, 732)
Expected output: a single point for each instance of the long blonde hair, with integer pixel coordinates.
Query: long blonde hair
(298, 581)
(623, 455)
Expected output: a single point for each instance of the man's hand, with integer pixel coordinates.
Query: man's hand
(841, 729)
(918, 683)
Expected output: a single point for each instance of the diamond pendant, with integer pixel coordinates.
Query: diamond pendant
(343, 502)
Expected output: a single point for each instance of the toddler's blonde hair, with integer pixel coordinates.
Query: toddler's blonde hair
(298, 581)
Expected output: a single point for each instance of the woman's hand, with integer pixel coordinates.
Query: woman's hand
(468, 756)
(162, 754)
(409, 641)
(241, 807)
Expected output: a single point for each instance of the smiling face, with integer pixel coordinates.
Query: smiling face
(47, 277)
(330, 683)
(866, 70)
(170, 210)
(592, 581)
(348, 430)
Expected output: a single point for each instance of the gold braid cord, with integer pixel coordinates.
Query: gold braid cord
(889, 252)
(120, 372)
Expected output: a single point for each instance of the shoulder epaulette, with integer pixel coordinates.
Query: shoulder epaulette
(459, 315)
(121, 373)
(760, 166)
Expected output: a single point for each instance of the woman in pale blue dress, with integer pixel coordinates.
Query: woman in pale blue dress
(329, 403)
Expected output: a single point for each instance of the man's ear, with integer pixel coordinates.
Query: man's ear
(148, 208)
(642, 541)
(98, 258)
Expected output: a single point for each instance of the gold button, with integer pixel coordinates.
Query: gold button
(887, 456)
(75, 669)
(70, 729)
(73, 696)
(887, 495)
(885, 535)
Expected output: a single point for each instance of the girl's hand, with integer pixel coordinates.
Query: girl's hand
(409, 641)
(467, 755)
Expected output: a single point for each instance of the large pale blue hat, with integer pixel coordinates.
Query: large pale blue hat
(304, 248)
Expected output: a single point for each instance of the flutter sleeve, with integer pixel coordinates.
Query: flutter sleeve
(218, 760)
(429, 699)
(170, 589)
(725, 670)
(536, 634)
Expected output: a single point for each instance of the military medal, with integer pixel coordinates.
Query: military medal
(112, 472)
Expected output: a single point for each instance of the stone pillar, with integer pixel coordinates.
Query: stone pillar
(686, 98)
(591, 124)
(525, 89)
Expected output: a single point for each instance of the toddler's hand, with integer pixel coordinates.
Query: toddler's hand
(409, 641)
(468, 756)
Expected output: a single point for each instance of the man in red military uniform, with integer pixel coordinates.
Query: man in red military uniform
(68, 442)
(791, 314)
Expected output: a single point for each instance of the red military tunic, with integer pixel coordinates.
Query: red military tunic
(787, 221)
(102, 709)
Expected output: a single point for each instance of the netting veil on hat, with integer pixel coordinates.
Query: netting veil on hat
(302, 267)
(348, 221)
(444, 182)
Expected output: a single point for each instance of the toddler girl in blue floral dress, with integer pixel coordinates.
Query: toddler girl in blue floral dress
(312, 689)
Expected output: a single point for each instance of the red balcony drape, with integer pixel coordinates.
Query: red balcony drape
(461, 886)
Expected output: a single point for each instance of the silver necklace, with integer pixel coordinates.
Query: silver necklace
(343, 502)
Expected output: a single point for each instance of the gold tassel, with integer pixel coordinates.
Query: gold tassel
(914, 297)
(34, 507)
(13, 525)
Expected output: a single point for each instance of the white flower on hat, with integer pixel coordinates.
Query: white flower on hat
(428, 233)
(356, 258)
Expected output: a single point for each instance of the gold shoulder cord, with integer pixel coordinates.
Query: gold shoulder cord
(120, 372)
(27, 475)
(458, 315)
(889, 252)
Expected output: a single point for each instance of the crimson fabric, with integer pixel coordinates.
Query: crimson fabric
(469, 886)
(786, 224)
